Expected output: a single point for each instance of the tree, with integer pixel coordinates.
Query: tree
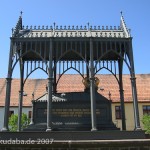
(146, 122)
(13, 122)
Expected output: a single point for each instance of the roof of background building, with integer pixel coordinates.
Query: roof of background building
(73, 83)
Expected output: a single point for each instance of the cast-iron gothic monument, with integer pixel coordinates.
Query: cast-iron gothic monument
(86, 49)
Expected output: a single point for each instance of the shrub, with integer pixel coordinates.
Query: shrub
(13, 122)
(146, 122)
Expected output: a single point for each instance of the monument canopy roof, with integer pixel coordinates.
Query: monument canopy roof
(71, 31)
(71, 38)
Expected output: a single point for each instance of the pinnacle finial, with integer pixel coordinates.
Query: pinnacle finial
(54, 24)
(88, 25)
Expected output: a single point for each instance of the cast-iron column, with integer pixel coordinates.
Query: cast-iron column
(122, 108)
(20, 94)
(121, 91)
(135, 103)
(134, 91)
(92, 89)
(54, 83)
(50, 84)
(7, 104)
(87, 70)
(8, 90)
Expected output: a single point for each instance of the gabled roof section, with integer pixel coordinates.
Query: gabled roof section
(55, 98)
(18, 27)
(124, 27)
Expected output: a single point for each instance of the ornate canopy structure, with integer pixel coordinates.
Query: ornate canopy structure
(56, 49)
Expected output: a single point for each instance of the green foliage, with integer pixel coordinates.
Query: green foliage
(146, 122)
(13, 122)
(24, 121)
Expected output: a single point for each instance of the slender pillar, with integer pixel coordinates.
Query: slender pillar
(8, 91)
(87, 71)
(50, 84)
(122, 109)
(92, 89)
(20, 110)
(135, 103)
(20, 95)
(121, 91)
(7, 104)
(134, 90)
(54, 83)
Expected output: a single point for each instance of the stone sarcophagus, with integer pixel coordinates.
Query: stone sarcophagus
(71, 111)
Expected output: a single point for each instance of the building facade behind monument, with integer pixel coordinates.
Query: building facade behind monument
(128, 106)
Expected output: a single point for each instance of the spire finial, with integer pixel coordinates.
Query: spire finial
(121, 13)
(21, 12)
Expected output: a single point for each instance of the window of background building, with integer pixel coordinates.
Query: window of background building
(11, 112)
(146, 110)
(29, 114)
(118, 112)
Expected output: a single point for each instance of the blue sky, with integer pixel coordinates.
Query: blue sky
(79, 12)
